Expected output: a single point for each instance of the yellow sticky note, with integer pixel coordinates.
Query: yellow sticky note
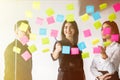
(107, 43)
(36, 5)
(16, 49)
(70, 7)
(49, 11)
(45, 50)
(97, 24)
(112, 17)
(70, 17)
(85, 17)
(32, 36)
(95, 41)
(28, 14)
(85, 55)
(32, 48)
(45, 41)
(23, 27)
(103, 6)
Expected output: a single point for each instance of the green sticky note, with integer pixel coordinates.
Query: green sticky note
(32, 36)
(85, 55)
(45, 41)
(70, 7)
(36, 4)
(103, 6)
(97, 24)
(32, 48)
(45, 50)
(70, 17)
(85, 17)
(107, 43)
(16, 49)
(23, 27)
(49, 11)
(112, 17)
(28, 14)
(95, 41)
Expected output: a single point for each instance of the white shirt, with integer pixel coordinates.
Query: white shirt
(110, 64)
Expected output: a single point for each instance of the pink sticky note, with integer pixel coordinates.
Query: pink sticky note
(87, 33)
(26, 55)
(24, 40)
(96, 50)
(115, 37)
(106, 31)
(74, 51)
(116, 7)
(54, 33)
(39, 20)
(50, 20)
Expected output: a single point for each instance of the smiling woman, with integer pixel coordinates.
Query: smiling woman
(70, 66)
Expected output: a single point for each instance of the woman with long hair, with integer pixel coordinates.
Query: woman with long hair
(70, 66)
(105, 65)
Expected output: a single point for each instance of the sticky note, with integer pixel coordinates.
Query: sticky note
(16, 49)
(50, 12)
(85, 17)
(45, 50)
(81, 45)
(90, 9)
(65, 49)
(39, 20)
(43, 31)
(115, 37)
(85, 55)
(70, 6)
(50, 20)
(103, 6)
(24, 40)
(32, 48)
(116, 7)
(97, 24)
(95, 41)
(36, 5)
(106, 30)
(54, 33)
(28, 14)
(70, 17)
(59, 18)
(74, 51)
(45, 40)
(96, 16)
(33, 36)
(23, 27)
(87, 33)
(112, 17)
(107, 43)
(26, 56)
(96, 50)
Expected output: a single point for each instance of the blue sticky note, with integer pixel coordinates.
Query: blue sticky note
(96, 16)
(66, 49)
(59, 18)
(89, 9)
(42, 31)
(81, 45)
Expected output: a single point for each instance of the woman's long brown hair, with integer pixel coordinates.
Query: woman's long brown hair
(75, 38)
(114, 28)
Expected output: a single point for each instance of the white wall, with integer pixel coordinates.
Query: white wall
(43, 66)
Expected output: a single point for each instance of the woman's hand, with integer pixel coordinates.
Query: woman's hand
(104, 77)
(103, 53)
(57, 50)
